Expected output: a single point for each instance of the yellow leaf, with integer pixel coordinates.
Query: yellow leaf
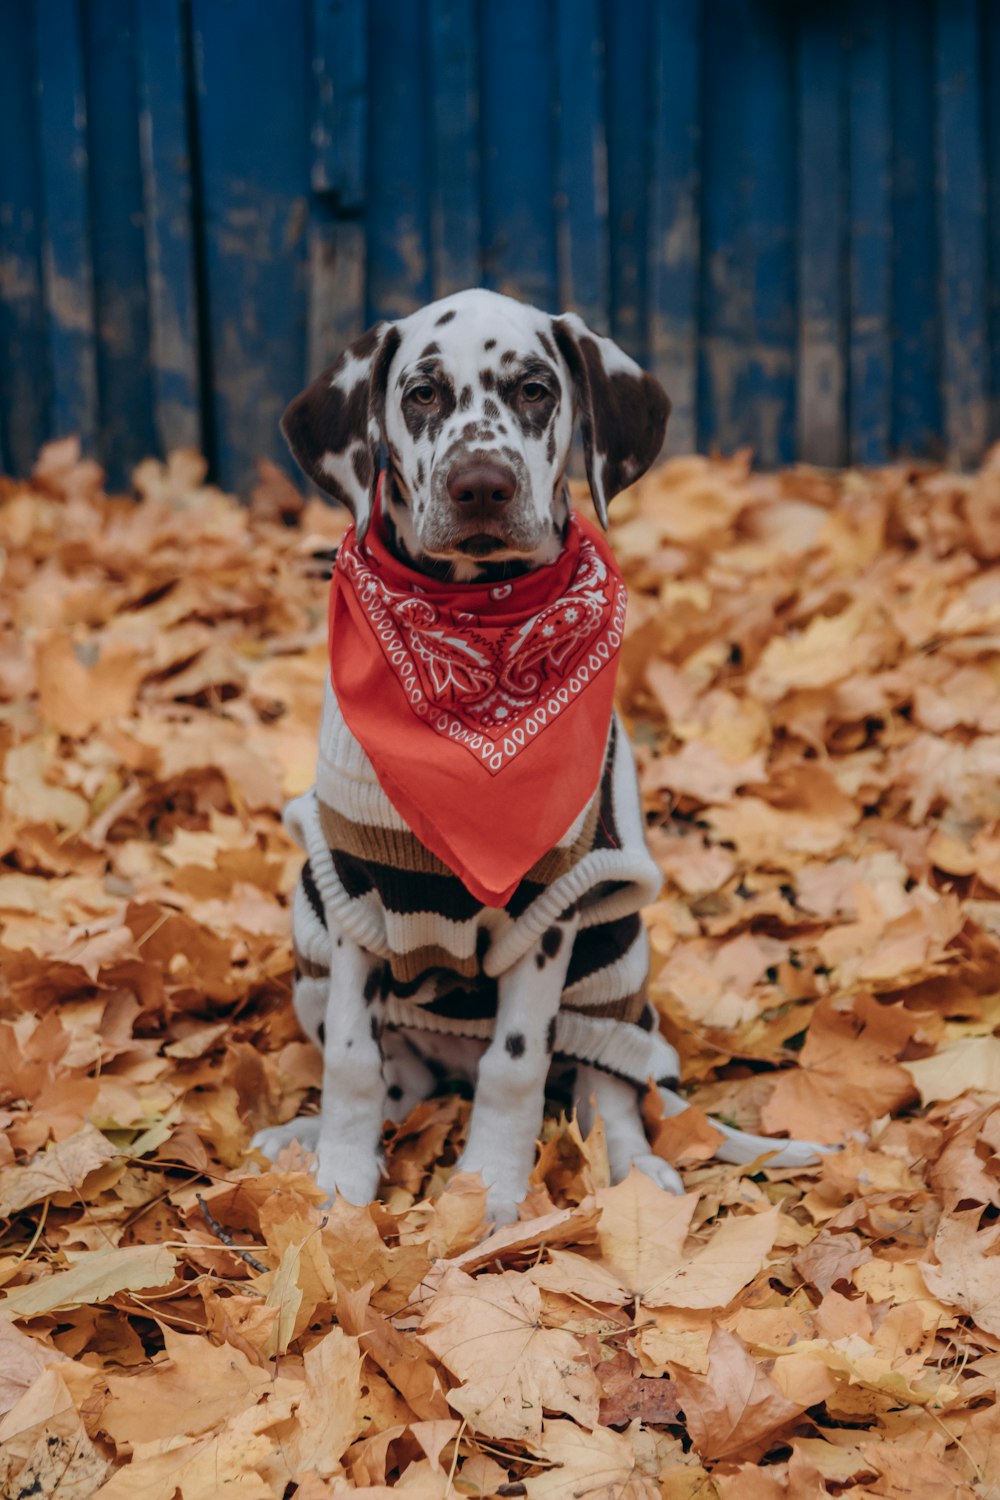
(94, 1276)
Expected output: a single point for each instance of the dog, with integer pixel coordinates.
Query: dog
(409, 974)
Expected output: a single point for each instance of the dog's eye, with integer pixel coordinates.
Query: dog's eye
(422, 393)
(533, 390)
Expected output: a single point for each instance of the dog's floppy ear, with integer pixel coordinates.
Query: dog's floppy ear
(623, 411)
(334, 427)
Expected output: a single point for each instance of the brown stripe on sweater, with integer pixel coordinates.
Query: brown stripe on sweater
(407, 967)
(628, 1008)
(306, 967)
(402, 850)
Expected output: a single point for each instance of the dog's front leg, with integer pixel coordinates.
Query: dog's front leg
(510, 1088)
(353, 1103)
(342, 1013)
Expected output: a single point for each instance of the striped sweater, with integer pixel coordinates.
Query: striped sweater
(443, 951)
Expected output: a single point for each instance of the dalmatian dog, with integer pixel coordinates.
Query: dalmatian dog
(473, 400)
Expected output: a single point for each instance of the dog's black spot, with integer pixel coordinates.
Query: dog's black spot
(487, 380)
(490, 409)
(321, 1033)
(551, 941)
(373, 985)
(361, 463)
(667, 1083)
(349, 1043)
(445, 317)
(420, 471)
(490, 344)
(394, 1091)
(515, 1044)
(539, 960)
(569, 913)
(508, 356)
(376, 1029)
(550, 446)
(465, 399)
(547, 345)
(431, 349)
(550, 1036)
(340, 942)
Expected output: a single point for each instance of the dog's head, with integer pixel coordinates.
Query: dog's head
(473, 398)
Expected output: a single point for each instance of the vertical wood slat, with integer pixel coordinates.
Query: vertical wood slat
(629, 69)
(961, 203)
(581, 162)
(398, 217)
(68, 275)
(674, 212)
(725, 289)
(168, 221)
(118, 254)
(991, 89)
(340, 67)
(769, 209)
(916, 383)
(24, 373)
(254, 131)
(338, 176)
(516, 109)
(869, 386)
(821, 413)
(454, 82)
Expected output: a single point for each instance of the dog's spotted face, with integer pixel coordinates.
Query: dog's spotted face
(473, 398)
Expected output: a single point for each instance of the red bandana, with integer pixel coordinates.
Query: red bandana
(483, 708)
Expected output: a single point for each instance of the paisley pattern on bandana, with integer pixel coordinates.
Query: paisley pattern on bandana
(485, 678)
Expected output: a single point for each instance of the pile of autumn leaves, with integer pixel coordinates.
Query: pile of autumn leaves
(811, 676)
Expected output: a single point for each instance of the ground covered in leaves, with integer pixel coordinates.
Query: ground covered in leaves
(811, 675)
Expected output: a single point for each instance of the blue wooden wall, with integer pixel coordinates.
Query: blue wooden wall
(789, 210)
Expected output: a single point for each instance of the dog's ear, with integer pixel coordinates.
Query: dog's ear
(334, 427)
(623, 411)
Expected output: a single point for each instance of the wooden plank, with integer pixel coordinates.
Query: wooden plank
(870, 214)
(991, 69)
(916, 385)
(674, 213)
(725, 288)
(398, 219)
(125, 431)
(581, 162)
(169, 223)
(454, 82)
(746, 369)
(340, 67)
(253, 119)
(518, 171)
(629, 44)
(962, 227)
(769, 126)
(24, 376)
(821, 413)
(68, 281)
(336, 316)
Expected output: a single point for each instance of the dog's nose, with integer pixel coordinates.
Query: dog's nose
(483, 484)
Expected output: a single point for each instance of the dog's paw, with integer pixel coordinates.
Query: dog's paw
(354, 1180)
(304, 1129)
(661, 1172)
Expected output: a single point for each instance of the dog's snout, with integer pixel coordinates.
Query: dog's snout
(481, 484)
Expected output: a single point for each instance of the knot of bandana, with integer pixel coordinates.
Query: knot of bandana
(483, 708)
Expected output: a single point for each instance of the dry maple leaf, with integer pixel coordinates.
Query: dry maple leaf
(967, 1273)
(736, 1406)
(488, 1333)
